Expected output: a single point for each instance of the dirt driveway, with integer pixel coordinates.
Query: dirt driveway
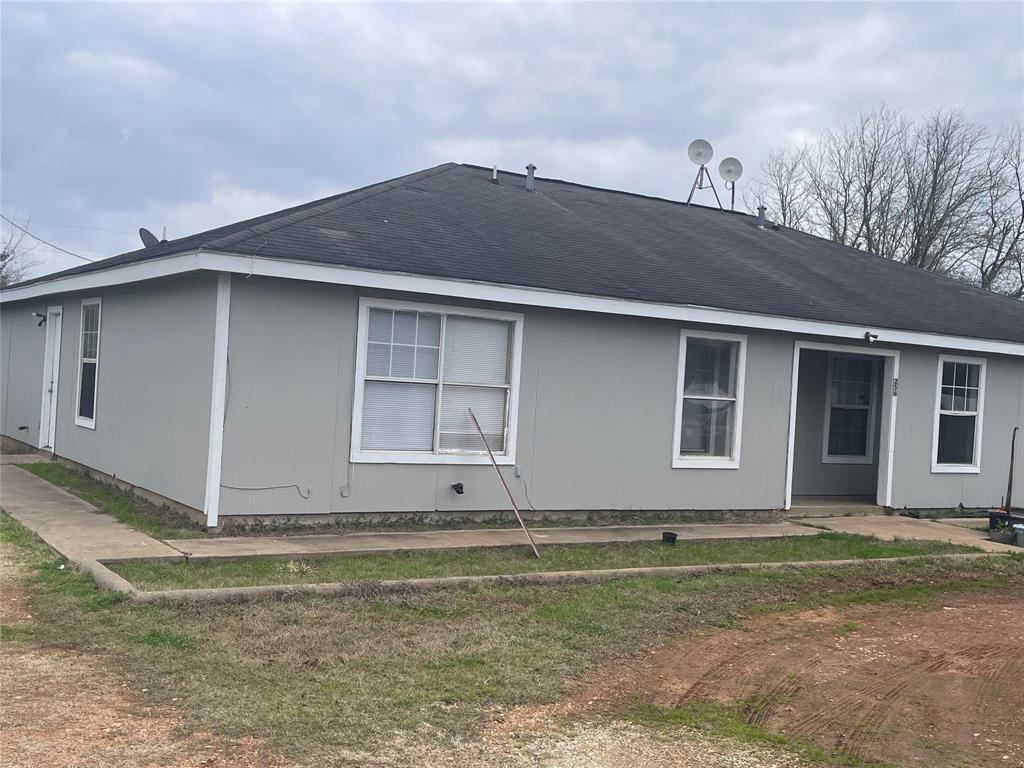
(941, 686)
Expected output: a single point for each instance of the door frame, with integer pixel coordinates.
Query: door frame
(51, 373)
(887, 438)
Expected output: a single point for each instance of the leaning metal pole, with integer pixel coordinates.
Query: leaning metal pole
(504, 485)
(1009, 482)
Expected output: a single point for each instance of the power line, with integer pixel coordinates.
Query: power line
(79, 226)
(45, 242)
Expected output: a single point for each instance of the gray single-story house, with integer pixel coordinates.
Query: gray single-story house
(621, 352)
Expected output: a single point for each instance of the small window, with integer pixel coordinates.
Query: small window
(89, 361)
(851, 393)
(424, 369)
(960, 395)
(708, 407)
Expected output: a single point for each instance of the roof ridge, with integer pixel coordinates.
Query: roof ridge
(610, 190)
(319, 207)
(859, 251)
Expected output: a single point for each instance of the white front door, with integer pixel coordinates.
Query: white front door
(51, 376)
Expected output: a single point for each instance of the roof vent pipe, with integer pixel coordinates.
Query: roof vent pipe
(529, 176)
(494, 175)
(760, 216)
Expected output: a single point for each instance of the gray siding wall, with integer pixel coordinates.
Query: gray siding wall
(595, 427)
(153, 387)
(914, 484)
(811, 475)
(22, 345)
(595, 417)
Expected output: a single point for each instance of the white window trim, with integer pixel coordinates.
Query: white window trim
(360, 456)
(961, 469)
(81, 421)
(869, 457)
(706, 462)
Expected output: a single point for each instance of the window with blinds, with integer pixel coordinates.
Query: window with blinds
(88, 364)
(425, 368)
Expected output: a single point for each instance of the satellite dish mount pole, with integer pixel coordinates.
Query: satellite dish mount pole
(703, 181)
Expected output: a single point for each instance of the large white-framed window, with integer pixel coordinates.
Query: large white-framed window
(959, 409)
(88, 363)
(851, 395)
(709, 400)
(420, 368)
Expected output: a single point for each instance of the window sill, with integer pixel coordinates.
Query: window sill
(863, 460)
(397, 457)
(703, 463)
(87, 423)
(955, 469)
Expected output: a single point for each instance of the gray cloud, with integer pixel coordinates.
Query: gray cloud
(118, 116)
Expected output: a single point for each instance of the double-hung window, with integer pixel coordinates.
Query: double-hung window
(851, 393)
(709, 401)
(960, 395)
(88, 364)
(421, 370)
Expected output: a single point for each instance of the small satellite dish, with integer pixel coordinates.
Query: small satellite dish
(730, 169)
(148, 238)
(700, 152)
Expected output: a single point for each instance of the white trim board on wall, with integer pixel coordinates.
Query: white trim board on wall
(886, 448)
(506, 294)
(218, 395)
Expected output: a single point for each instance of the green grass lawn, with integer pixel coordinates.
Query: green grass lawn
(318, 676)
(509, 560)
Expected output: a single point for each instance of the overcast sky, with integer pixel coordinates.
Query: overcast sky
(116, 116)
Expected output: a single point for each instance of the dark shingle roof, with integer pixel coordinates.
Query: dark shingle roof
(450, 221)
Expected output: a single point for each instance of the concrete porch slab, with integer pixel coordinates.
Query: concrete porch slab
(353, 543)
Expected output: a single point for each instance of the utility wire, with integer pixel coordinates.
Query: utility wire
(45, 242)
(79, 226)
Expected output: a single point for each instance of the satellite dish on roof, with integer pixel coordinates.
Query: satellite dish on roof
(700, 152)
(730, 169)
(148, 238)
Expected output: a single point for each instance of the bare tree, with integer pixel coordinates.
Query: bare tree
(940, 194)
(832, 186)
(944, 166)
(879, 138)
(996, 260)
(14, 261)
(782, 188)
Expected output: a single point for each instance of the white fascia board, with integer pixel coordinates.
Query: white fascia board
(505, 294)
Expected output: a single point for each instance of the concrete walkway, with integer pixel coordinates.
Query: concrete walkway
(352, 543)
(71, 526)
(892, 527)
